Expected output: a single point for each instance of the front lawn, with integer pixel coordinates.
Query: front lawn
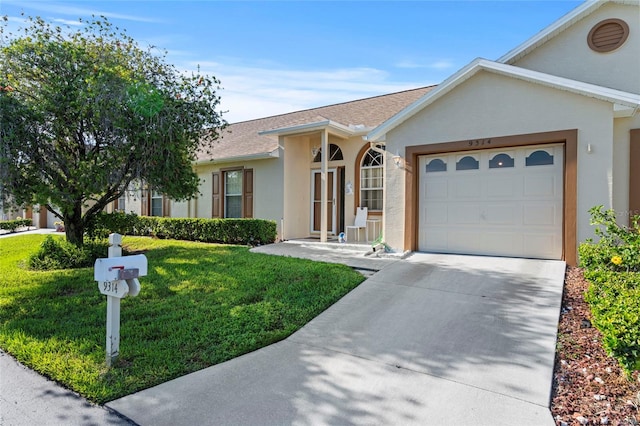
(200, 305)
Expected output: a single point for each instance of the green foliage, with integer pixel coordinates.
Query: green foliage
(614, 240)
(200, 304)
(57, 253)
(226, 231)
(612, 267)
(613, 298)
(12, 225)
(85, 111)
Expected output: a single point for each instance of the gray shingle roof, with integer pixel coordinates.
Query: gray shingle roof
(243, 139)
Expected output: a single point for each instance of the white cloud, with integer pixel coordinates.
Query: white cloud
(260, 91)
(76, 12)
(442, 64)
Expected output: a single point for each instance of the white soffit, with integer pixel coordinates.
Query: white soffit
(624, 100)
(250, 157)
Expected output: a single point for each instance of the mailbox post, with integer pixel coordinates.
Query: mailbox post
(117, 276)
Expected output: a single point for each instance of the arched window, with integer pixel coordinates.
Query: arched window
(371, 180)
(436, 165)
(467, 163)
(335, 154)
(539, 158)
(501, 161)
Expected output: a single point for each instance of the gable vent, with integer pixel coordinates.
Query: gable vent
(608, 35)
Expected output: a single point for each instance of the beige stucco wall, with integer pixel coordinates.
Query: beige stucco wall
(620, 173)
(568, 54)
(267, 190)
(488, 106)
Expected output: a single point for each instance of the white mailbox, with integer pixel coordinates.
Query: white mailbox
(120, 268)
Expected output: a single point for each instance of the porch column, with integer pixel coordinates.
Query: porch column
(324, 137)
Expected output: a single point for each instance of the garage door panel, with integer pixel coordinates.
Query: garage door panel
(542, 245)
(541, 214)
(466, 187)
(465, 213)
(541, 186)
(505, 214)
(436, 213)
(436, 188)
(512, 211)
(505, 186)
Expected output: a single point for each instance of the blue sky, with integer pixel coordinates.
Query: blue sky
(276, 57)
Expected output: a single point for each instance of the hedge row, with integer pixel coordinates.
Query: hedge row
(226, 231)
(12, 225)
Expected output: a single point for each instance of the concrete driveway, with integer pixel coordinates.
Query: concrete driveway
(430, 340)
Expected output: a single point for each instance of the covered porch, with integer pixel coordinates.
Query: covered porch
(322, 192)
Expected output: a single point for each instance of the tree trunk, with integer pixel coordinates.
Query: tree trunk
(74, 226)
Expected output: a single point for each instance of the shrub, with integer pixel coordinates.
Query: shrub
(226, 231)
(57, 253)
(12, 225)
(613, 298)
(611, 266)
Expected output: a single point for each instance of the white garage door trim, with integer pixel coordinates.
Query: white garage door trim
(477, 202)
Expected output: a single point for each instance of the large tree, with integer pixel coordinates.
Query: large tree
(86, 112)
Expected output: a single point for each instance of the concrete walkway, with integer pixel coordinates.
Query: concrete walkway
(430, 340)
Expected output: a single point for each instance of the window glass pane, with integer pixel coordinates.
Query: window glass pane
(372, 158)
(156, 206)
(372, 180)
(436, 165)
(371, 177)
(372, 199)
(468, 163)
(233, 206)
(501, 161)
(233, 183)
(233, 194)
(335, 153)
(121, 203)
(156, 203)
(539, 158)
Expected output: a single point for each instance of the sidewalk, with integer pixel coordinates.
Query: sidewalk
(31, 230)
(27, 398)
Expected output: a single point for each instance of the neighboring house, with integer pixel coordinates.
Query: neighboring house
(272, 168)
(503, 158)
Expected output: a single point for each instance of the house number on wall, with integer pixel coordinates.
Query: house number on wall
(479, 142)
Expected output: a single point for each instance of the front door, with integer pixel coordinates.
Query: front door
(316, 200)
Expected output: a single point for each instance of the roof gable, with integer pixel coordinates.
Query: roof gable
(624, 103)
(556, 28)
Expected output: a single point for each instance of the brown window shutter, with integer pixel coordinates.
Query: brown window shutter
(166, 206)
(247, 193)
(115, 206)
(216, 195)
(145, 199)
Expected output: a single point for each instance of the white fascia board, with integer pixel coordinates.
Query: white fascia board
(250, 157)
(333, 127)
(606, 94)
(623, 99)
(551, 31)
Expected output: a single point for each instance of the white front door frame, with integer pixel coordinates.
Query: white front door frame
(330, 203)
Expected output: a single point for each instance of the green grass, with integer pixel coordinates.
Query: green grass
(201, 304)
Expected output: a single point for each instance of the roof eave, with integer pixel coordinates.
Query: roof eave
(333, 127)
(616, 97)
(249, 157)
